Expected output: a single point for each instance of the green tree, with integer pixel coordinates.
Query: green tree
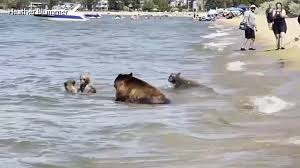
(89, 4)
(52, 3)
(211, 4)
(148, 5)
(136, 4)
(162, 5)
(120, 5)
(112, 5)
(12, 4)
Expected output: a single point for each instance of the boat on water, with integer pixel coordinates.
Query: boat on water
(71, 15)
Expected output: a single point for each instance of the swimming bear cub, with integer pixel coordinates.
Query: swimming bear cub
(86, 85)
(70, 86)
(179, 82)
(133, 90)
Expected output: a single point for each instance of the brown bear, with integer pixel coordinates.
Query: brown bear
(70, 86)
(133, 90)
(180, 82)
(86, 85)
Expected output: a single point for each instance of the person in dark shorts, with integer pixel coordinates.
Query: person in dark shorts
(269, 15)
(279, 25)
(249, 20)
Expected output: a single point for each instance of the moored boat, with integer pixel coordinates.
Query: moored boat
(67, 16)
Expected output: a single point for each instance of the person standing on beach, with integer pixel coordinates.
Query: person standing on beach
(269, 15)
(299, 19)
(279, 25)
(249, 20)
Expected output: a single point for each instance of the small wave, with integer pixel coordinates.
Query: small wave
(235, 54)
(228, 29)
(287, 141)
(294, 140)
(270, 104)
(216, 26)
(235, 66)
(220, 46)
(255, 73)
(214, 35)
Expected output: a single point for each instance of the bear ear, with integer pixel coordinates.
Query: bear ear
(178, 74)
(130, 74)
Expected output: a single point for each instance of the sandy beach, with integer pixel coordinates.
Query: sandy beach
(265, 38)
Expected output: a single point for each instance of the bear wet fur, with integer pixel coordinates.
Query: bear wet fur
(179, 82)
(133, 90)
(70, 86)
(86, 85)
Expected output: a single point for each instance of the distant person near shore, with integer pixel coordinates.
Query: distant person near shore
(249, 20)
(269, 15)
(279, 25)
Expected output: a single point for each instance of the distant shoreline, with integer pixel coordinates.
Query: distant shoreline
(127, 13)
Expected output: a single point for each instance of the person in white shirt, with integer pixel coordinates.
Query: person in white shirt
(249, 19)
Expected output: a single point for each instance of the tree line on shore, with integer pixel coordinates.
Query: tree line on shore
(149, 5)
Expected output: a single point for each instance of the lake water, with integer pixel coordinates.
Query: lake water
(245, 115)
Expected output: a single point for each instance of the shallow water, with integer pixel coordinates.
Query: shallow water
(43, 127)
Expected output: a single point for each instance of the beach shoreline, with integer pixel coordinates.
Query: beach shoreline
(266, 39)
(128, 13)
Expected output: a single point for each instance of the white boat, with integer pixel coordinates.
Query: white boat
(71, 15)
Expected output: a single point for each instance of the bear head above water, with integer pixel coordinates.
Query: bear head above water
(86, 85)
(70, 86)
(179, 82)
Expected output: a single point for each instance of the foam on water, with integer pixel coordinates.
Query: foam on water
(216, 34)
(270, 104)
(235, 66)
(220, 46)
(236, 54)
(294, 140)
(283, 141)
(216, 26)
(255, 73)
